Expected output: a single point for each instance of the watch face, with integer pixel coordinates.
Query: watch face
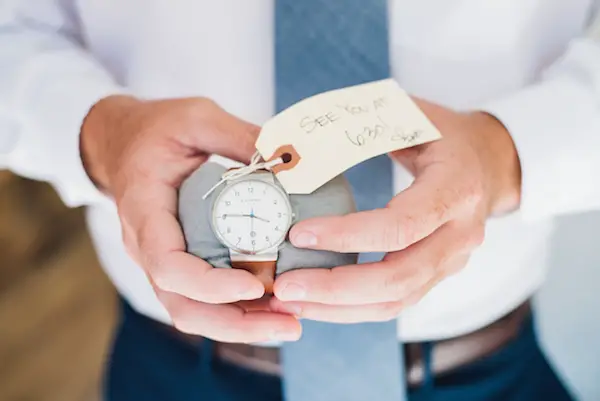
(252, 216)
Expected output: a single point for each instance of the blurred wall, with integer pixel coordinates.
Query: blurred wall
(569, 304)
(57, 307)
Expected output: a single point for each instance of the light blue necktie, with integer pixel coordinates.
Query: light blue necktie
(323, 45)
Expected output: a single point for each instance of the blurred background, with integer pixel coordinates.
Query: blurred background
(57, 309)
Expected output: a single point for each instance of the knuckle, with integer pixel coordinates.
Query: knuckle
(395, 285)
(201, 107)
(392, 236)
(400, 233)
(470, 239)
(476, 236)
(205, 103)
(471, 195)
(443, 205)
(456, 266)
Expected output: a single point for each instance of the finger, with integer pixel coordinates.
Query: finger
(399, 274)
(380, 312)
(339, 313)
(222, 133)
(229, 323)
(148, 216)
(411, 216)
(351, 285)
(190, 276)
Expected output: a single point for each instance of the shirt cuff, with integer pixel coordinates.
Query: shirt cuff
(553, 125)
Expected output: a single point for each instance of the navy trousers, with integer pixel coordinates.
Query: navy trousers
(149, 364)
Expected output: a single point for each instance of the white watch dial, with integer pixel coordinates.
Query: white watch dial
(252, 216)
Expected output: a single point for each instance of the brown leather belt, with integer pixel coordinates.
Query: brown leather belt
(447, 355)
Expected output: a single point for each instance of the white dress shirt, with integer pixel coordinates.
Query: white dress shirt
(528, 62)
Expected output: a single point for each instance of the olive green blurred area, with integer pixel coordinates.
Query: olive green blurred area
(57, 308)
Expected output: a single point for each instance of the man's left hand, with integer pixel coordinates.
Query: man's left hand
(427, 231)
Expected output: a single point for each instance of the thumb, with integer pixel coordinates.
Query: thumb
(224, 134)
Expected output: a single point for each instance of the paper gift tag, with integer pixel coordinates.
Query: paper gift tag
(324, 135)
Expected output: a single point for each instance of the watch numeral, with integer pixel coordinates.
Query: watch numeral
(239, 240)
(275, 202)
(228, 230)
(236, 193)
(279, 214)
(251, 190)
(253, 242)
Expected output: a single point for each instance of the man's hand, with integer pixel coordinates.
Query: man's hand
(427, 231)
(139, 153)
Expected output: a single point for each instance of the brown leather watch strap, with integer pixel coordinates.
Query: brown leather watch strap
(263, 270)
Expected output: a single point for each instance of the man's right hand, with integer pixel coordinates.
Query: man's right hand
(139, 152)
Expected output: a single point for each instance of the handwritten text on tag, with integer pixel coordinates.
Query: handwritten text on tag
(333, 131)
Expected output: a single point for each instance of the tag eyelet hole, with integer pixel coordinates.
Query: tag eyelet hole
(286, 157)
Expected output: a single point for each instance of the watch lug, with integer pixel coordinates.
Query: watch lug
(264, 176)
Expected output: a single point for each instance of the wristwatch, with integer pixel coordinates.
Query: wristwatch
(252, 216)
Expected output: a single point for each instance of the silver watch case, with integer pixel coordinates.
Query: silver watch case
(271, 253)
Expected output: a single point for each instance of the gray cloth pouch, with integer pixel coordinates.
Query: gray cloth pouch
(333, 198)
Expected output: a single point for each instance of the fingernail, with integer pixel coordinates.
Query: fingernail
(292, 292)
(283, 336)
(250, 294)
(304, 239)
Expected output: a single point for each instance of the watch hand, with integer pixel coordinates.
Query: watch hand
(252, 224)
(256, 217)
(245, 215)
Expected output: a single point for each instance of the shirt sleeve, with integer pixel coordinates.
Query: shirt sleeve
(48, 83)
(555, 125)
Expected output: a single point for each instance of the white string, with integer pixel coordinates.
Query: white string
(255, 165)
